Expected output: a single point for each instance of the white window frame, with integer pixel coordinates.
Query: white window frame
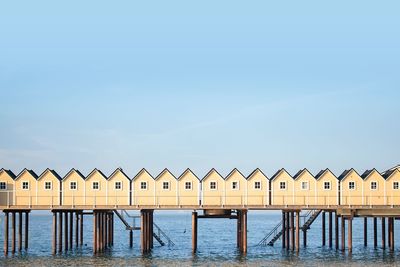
(5, 186)
(330, 185)
(190, 183)
(145, 185)
(348, 185)
(398, 185)
(370, 185)
(51, 185)
(22, 185)
(115, 186)
(305, 183)
(216, 185)
(168, 186)
(98, 185)
(237, 185)
(283, 183)
(76, 185)
(254, 185)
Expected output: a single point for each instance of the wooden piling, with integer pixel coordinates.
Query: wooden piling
(26, 229)
(238, 229)
(54, 232)
(71, 229)
(383, 233)
(95, 232)
(330, 229)
(323, 228)
(6, 215)
(19, 230)
(244, 242)
(304, 237)
(287, 230)
(13, 232)
(60, 228)
(392, 234)
(194, 231)
(389, 232)
(350, 233)
(76, 229)
(112, 229)
(81, 229)
(297, 231)
(343, 225)
(375, 232)
(292, 230)
(130, 238)
(142, 232)
(100, 231)
(336, 231)
(365, 231)
(283, 229)
(66, 231)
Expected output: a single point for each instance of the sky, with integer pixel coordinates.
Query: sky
(199, 84)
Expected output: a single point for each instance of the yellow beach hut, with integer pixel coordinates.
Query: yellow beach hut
(235, 188)
(48, 189)
(118, 189)
(257, 189)
(73, 189)
(374, 188)
(96, 188)
(304, 188)
(282, 188)
(392, 178)
(212, 186)
(7, 187)
(26, 188)
(188, 189)
(327, 188)
(166, 189)
(351, 188)
(143, 189)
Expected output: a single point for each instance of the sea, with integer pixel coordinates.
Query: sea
(216, 245)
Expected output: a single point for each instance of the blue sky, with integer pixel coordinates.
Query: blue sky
(201, 84)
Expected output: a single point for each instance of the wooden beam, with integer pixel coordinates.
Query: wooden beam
(66, 231)
(330, 229)
(6, 232)
(283, 229)
(54, 232)
(94, 232)
(244, 250)
(71, 229)
(13, 232)
(383, 233)
(323, 228)
(343, 225)
(76, 229)
(194, 232)
(365, 231)
(20, 231)
(26, 230)
(292, 229)
(350, 234)
(375, 232)
(81, 229)
(297, 231)
(287, 230)
(336, 231)
(60, 226)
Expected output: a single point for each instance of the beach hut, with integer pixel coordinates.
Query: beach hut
(351, 188)
(48, 189)
(7, 191)
(118, 188)
(257, 189)
(392, 182)
(143, 189)
(212, 186)
(73, 189)
(166, 189)
(26, 188)
(235, 188)
(96, 188)
(327, 188)
(304, 188)
(282, 188)
(188, 189)
(374, 188)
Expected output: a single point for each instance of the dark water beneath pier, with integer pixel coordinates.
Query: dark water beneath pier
(216, 245)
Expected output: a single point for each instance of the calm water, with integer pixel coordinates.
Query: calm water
(216, 245)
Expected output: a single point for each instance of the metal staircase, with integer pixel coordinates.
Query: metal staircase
(158, 234)
(276, 232)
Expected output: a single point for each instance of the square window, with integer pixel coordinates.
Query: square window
(213, 185)
(352, 185)
(73, 186)
(25, 185)
(395, 185)
(304, 185)
(118, 185)
(165, 185)
(3, 186)
(95, 186)
(257, 185)
(374, 185)
(143, 185)
(327, 185)
(235, 185)
(47, 185)
(188, 185)
(282, 185)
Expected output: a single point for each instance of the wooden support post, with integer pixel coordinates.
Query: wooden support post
(66, 231)
(323, 228)
(292, 229)
(194, 232)
(284, 226)
(101, 232)
(350, 233)
(336, 231)
(94, 232)
(288, 230)
(20, 231)
(239, 229)
(297, 231)
(71, 229)
(392, 234)
(60, 226)
(112, 229)
(389, 232)
(142, 231)
(383, 233)
(54, 232)
(330, 229)
(130, 238)
(375, 232)
(13, 232)
(151, 228)
(304, 237)
(6, 232)
(244, 229)
(26, 229)
(365, 231)
(76, 229)
(81, 229)
(343, 225)
(104, 230)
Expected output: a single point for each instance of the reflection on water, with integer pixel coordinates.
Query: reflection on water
(216, 245)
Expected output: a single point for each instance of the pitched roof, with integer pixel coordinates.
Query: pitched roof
(211, 171)
(187, 171)
(76, 171)
(389, 173)
(347, 172)
(26, 170)
(232, 172)
(300, 172)
(322, 172)
(140, 172)
(162, 173)
(9, 172)
(116, 171)
(278, 172)
(254, 172)
(52, 172)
